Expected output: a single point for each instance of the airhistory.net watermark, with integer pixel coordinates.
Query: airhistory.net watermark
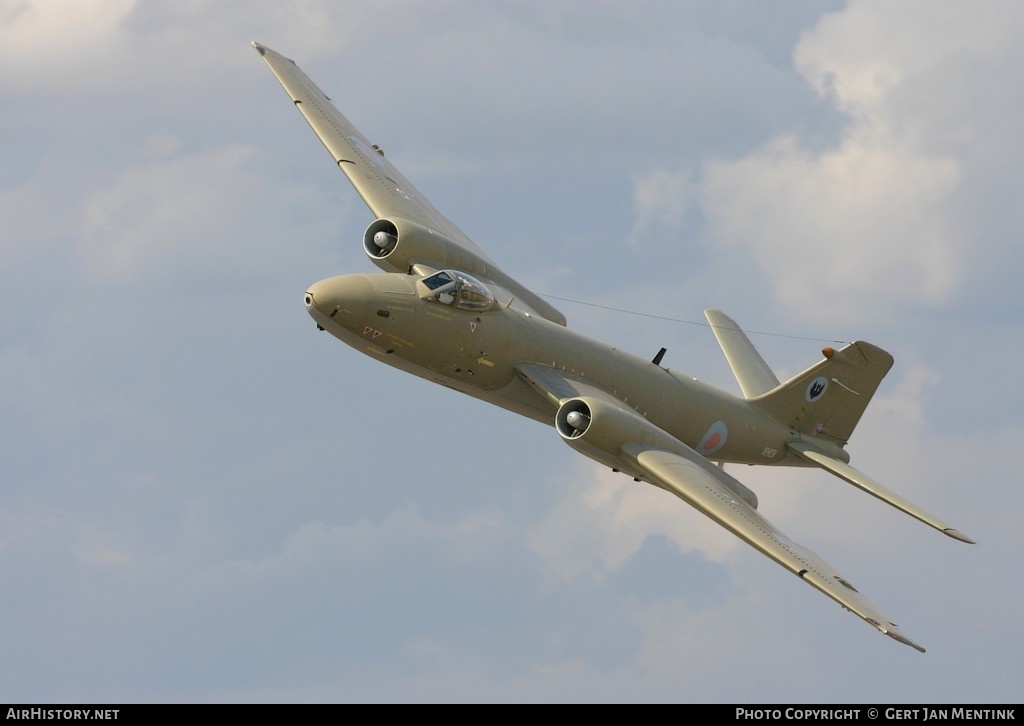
(63, 714)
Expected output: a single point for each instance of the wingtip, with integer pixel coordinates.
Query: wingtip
(955, 534)
(901, 638)
(260, 49)
(893, 631)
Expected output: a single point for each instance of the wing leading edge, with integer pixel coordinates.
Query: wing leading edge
(672, 465)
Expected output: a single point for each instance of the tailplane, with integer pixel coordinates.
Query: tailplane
(808, 452)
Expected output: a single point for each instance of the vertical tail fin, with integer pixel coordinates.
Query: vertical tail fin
(828, 399)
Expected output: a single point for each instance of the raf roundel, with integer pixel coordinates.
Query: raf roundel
(714, 439)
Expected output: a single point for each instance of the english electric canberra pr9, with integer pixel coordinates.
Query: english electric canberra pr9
(442, 310)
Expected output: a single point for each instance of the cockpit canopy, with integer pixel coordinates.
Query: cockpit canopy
(450, 287)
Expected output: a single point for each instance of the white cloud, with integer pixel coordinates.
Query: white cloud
(129, 47)
(40, 31)
(870, 50)
(883, 218)
(859, 227)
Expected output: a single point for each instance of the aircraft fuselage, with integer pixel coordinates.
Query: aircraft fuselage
(476, 352)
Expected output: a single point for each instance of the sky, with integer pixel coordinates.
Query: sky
(206, 500)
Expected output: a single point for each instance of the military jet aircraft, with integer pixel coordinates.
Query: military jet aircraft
(444, 311)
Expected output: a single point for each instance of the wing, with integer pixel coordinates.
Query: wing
(390, 196)
(382, 187)
(601, 427)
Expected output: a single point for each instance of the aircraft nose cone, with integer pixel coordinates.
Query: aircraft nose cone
(339, 298)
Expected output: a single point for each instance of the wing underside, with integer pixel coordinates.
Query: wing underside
(677, 468)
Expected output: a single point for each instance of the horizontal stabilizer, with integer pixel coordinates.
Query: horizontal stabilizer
(862, 481)
(752, 373)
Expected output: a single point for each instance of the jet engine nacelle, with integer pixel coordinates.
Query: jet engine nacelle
(599, 428)
(397, 244)
(606, 426)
